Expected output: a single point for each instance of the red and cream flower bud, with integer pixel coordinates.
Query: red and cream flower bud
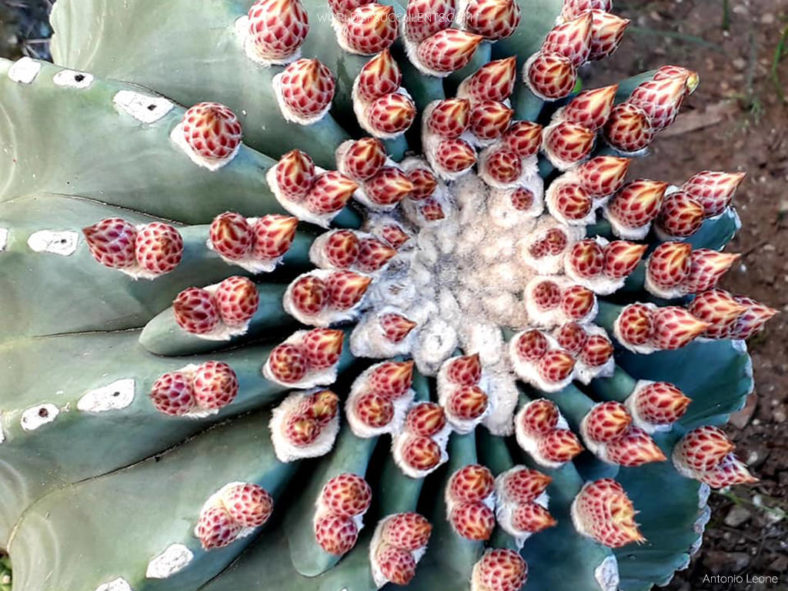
(249, 505)
(676, 327)
(492, 19)
(468, 403)
(396, 327)
(713, 190)
(431, 210)
(407, 531)
(449, 118)
(364, 158)
(172, 394)
(309, 295)
(751, 322)
(729, 472)
(346, 495)
(591, 108)
(668, 266)
(346, 289)
(373, 255)
(424, 184)
(342, 8)
(499, 569)
(637, 204)
(660, 403)
(706, 268)
(322, 406)
(559, 446)
(607, 30)
(571, 337)
(494, 81)
(158, 248)
(424, 18)
(471, 484)
(396, 565)
(336, 534)
(556, 366)
(236, 300)
(571, 39)
(692, 79)
(546, 295)
(539, 417)
(455, 156)
(341, 249)
(629, 128)
(531, 346)
(322, 347)
(606, 421)
(426, 419)
(295, 174)
(571, 202)
(391, 114)
(307, 88)
(472, 521)
(231, 235)
(622, 257)
(212, 131)
(568, 143)
(577, 302)
(374, 410)
(216, 528)
(273, 236)
(522, 199)
(680, 216)
(719, 309)
(574, 8)
(277, 28)
(394, 235)
(550, 76)
(288, 363)
(523, 485)
(503, 165)
(330, 192)
(465, 370)
(448, 50)
(196, 311)
(603, 175)
(391, 379)
(634, 448)
(379, 76)
(370, 29)
(660, 100)
(388, 187)
(635, 325)
(597, 351)
(489, 119)
(703, 448)
(111, 242)
(215, 385)
(524, 137)
(602, 511)
(532, 518)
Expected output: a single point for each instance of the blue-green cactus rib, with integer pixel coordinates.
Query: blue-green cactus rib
(350, 455)
(617, 387)
(163, 336)
(99, 298)
(538, 17)
(90, 533)
(199, 57)
(79, 444)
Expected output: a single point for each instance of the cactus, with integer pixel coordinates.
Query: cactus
(340, 295)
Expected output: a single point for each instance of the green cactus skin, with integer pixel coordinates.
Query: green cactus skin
(97, 484)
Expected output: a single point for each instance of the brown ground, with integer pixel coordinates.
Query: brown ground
(737, 120)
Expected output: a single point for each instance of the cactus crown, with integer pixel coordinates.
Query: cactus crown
(335, 295)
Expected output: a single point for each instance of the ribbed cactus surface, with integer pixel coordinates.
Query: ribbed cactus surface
(310, 295)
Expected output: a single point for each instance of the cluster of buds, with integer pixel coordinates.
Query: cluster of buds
(608, 433)
(655, 406)
(195, 390)
(544, 249)
(382, 106)
(322, 297)
(445, 123)
(382, 183)
(379, 398)
(210, 134)
(308, 192)
(420, 448)
(232, 513)
(363, 27)
(552, 301)
(651, 107)
(339, 516)
(729, 316)
(399, 542)
(256, 244)
(276, 29)
(603, 512)
(460, 392)
(522, 502)
(591, 348)
(144, 251)
(305, 425)
(470, 502)
(602, 266)
(674, 269)
(586, 33)
(706, 454)
(645, 328)
(350, 250)
(306, 359)
(304, 91)
(539, 360)
(219, 311)
(544, 434)
(499, 569)
(429, 201)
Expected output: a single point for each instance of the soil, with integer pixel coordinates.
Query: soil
(736, 120)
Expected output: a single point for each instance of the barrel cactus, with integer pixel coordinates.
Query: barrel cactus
(333, 296)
